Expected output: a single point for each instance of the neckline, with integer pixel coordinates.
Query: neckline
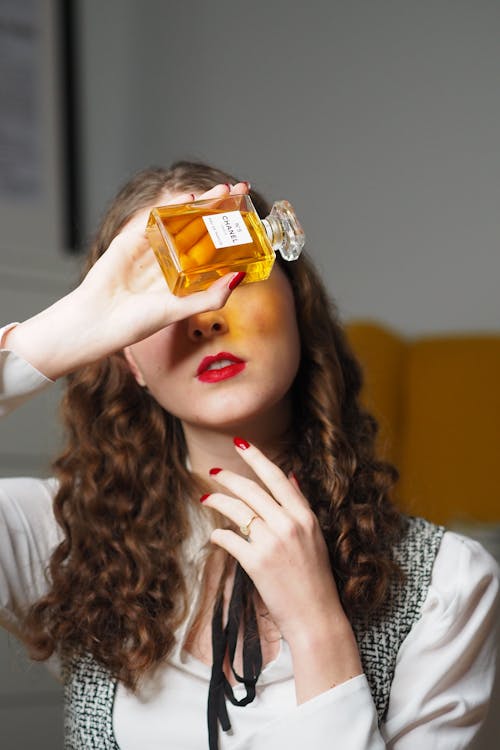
(275, 670)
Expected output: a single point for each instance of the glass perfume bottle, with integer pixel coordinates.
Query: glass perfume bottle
(196, 243)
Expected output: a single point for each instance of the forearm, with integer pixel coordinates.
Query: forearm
(59, 339)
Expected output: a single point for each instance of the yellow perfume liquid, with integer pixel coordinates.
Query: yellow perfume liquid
(196, 243)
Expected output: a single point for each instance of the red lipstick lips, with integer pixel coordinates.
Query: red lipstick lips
(221, 366)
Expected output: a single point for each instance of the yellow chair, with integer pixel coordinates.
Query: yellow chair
(437, 400)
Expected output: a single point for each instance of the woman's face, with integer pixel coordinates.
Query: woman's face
(226, 368)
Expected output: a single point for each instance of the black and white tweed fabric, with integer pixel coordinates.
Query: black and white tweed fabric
(379, 639)
(90, 690)
(89, 695)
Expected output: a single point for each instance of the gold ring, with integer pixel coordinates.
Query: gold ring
(245, 529)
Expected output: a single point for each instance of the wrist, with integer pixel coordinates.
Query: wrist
(324, 657)
(5, 332)
(316, 634)
(326, 624)
(58, 339)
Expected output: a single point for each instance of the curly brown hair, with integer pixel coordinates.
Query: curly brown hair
(117, 586)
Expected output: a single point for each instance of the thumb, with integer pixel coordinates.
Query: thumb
(217, 293)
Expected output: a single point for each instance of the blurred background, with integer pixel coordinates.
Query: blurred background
(378, 120)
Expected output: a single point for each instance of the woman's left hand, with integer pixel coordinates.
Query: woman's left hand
(285, 553)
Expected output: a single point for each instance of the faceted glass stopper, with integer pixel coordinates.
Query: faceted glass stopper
(284, 231)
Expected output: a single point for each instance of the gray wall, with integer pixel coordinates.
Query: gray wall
(379, 120)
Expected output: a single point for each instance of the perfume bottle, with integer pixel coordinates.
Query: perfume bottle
(196, 243)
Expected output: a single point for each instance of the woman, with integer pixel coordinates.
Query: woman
(294, 601)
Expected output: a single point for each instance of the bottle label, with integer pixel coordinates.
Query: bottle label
(227, 229)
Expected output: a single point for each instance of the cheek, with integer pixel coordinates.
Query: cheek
(156, 354)
(260, 313)
(267, 321)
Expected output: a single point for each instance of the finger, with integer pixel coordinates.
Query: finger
(212, 298)
(253, 496)
(237, 511)
(241, 188)
(236, 545)
(181, 198)
(276, 481)
(218, 191)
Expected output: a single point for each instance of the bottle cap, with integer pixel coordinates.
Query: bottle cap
(284, 231)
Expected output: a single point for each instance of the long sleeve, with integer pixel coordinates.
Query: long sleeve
(443, 678)
(28, 530)
(19, 380)
(446, 666)
(343, 718)
(28, 535)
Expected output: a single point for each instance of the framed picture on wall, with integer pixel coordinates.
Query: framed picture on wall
(38, 171)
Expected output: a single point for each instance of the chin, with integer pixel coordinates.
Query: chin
(235, 415)
(228, 422)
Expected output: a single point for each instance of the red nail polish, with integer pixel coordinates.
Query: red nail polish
(237, 279)
(240, 443)
(294, 477)
(215, 470)
(204, 497)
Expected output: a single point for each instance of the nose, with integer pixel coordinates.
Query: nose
(206, 325)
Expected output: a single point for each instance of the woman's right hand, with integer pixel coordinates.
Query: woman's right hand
(123, 299)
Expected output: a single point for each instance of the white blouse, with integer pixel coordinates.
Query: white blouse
(444, 670)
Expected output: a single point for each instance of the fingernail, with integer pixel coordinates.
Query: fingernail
(228, 185)
(240, 443)
(237, 279)
(248, 184)
(294, 477)
(215, 470)
(204, 497)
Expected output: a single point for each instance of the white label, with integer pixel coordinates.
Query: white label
(227, 229)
